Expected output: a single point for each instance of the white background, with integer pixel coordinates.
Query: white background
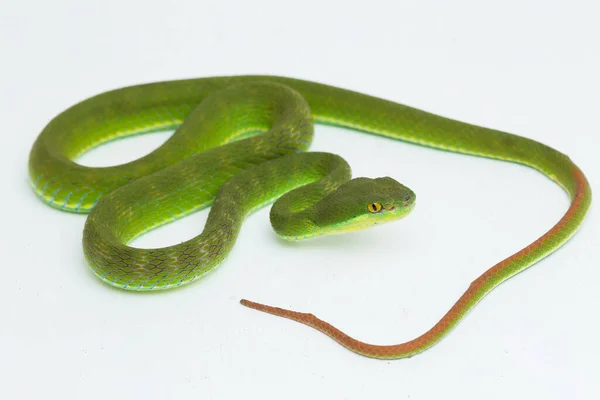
(527, 67)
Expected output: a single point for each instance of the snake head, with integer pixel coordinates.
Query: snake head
(362, 203)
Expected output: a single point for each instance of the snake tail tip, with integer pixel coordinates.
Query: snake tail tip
(265, 308)
(256, 306)
(280, 312)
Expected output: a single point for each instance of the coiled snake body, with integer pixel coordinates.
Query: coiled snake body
(241, 148)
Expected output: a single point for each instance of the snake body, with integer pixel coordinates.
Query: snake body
(239, 145)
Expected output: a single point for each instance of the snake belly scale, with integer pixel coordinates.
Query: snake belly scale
(240, 144)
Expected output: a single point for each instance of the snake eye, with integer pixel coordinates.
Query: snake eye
(374, 207)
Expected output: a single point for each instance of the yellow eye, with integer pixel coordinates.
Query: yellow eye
(374, 207)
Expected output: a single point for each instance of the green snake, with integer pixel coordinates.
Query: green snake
(239, 144)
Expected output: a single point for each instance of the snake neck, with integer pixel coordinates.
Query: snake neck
(294, 226)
